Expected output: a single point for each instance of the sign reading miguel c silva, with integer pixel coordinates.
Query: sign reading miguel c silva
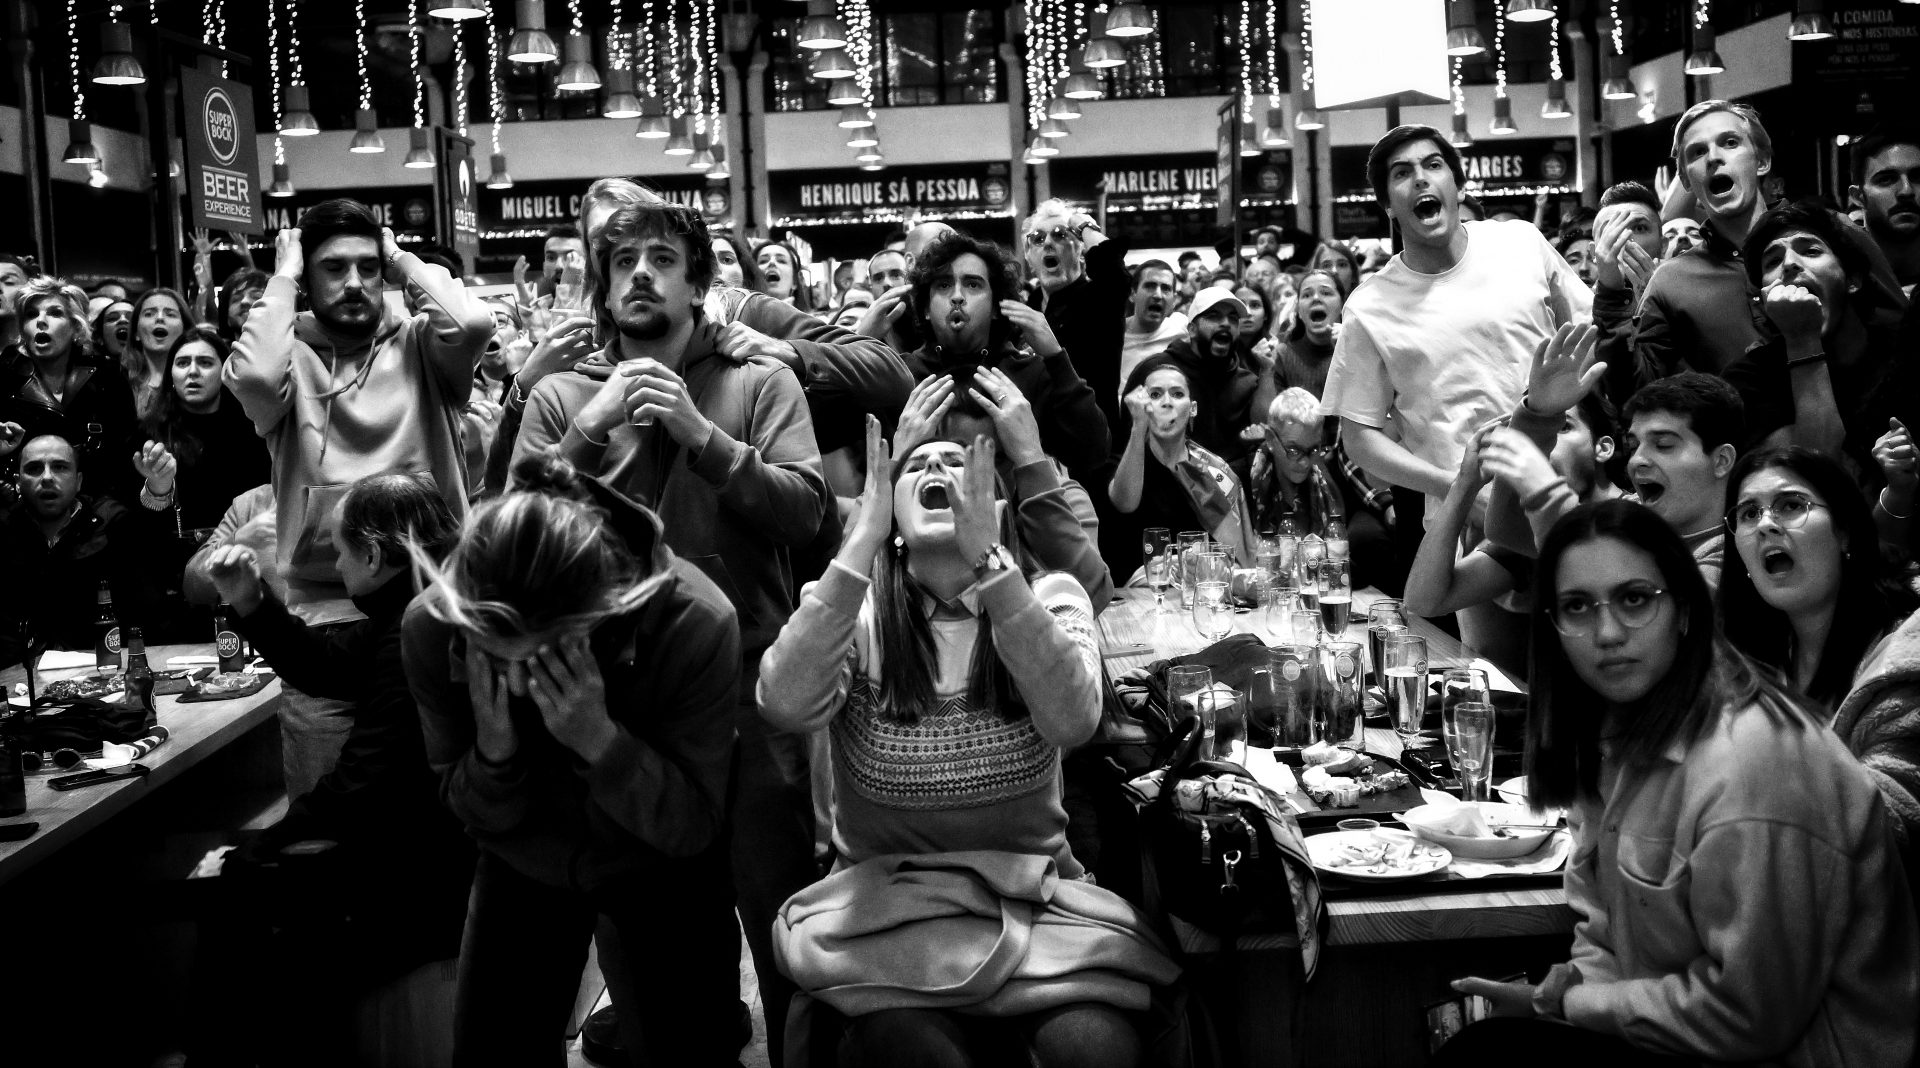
(223, 162)
(854, 194)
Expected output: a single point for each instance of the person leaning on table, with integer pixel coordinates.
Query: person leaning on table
(1739, 895)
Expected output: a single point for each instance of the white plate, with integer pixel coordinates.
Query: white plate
(1425, 860)
(1493, 848)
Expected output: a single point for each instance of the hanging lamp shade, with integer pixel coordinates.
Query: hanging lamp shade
(456, 10)
(1502, 123)
(719, 170)
(1463, 34)
(80, 144)
(621, 103)
(419, 150)
(681, 142)
(821, 29)
(831, 64)
(1250, 141)
(855, 117)
(1062, 108)
(366, 133)
(869, 154)
(876, 163)
(1810, 22)
(1129, 20)
(281, 186)
(1309, 119)
(1103, 52)
(653, 122)
(1274, 133)
(497, 176)
(865, 137)
(1460, 137)
(845, 93)
(531, 43)
(1556, 103)
(1080, 84)
(1704, 59)
(1041, 148)
(1617, 86)
(296, 119)
(577, 73)
(1053, 128)
(1529, 10)
(116, 65)
(702, 158)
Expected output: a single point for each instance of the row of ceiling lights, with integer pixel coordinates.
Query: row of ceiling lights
(1104, 50)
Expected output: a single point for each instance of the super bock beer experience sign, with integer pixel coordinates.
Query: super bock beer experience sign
(223, 164)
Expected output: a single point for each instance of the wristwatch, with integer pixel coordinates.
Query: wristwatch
(1080, 230)
(992, 561)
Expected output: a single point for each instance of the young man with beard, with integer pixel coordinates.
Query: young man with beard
(1232, 386)
(1154, 324)
(342, 391)
(963, 296)
(723, 451)
(1081, 282)
(1886, 187)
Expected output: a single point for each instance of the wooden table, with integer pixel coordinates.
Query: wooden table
(199, 729)
(1134, 634)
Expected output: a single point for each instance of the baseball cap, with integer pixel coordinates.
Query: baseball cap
(1205, 301)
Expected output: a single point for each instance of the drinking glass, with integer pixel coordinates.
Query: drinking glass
(1306, 626)
(1383, 618)
(1156, 546)
(1227, 716)
(1212, 610)
(1341, 696)
(1336, 598)
(1184, 682)
(1191, 544)
(1295, 678)
(1266, 557)
(1335, 536)
(1277, 605)
(1470, 741)
(1214, 565)
(1406, 685)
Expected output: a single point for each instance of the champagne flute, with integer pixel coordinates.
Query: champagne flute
(1406, 685)
(1472, 737)
(1460, 686)
(1155, 545)
(1384, 618)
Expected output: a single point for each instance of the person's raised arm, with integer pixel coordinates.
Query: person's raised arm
(1439, 584)
(827, 359)
(458, 325)
(1565, 369)
(1795, 311)
(259, 371)
(1129, 476)
(1892, 510)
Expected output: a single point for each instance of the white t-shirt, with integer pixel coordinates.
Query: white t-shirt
(1137, 347)
(1444, 353)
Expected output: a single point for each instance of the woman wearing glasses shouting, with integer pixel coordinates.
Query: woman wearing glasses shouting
(1738, 894)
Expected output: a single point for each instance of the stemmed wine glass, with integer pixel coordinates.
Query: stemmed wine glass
(1156, 545)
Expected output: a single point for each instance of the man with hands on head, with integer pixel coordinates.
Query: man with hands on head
(1082, 283)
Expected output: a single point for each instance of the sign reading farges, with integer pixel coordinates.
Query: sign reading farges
(223, 167)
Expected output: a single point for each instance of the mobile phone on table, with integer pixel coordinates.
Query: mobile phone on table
(95, 778)
(1449, 1016)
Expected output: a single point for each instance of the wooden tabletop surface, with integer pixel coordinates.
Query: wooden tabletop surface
(1134, 633)
(198, 729)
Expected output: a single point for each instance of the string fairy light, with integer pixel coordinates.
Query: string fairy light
(1047, 36)
(579, 20)
(676, 75)
(617, 43)
(697, 105)
(414, 32)
(460, 75)
(360, 50)
(1273, 55)
(213, 26)
(650, 61)
(1306, 51)
(1614, 28)
(858, 16)
(1246, 61)
(297, 71)
(496, 106)
(73, 64)
(1499, 58)
(1459, 90)
(273, 76)
(1553, 47)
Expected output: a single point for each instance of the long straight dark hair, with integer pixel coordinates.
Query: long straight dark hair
(905, 637)
(1872, 600)
(1708, 676)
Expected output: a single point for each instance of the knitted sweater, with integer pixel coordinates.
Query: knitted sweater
(959, 778)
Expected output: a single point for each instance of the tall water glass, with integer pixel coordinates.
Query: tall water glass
(1296, 682)
(1406, 685)
(1191, 544)
(1305, 627)
(1185, 684)
(1341, 696)
(1383, 618)
(1471, 738)
(1156, 548)
(1228, 717)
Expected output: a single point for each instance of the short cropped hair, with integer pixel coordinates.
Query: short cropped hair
(1744, 112)
(1140, 272)
(1296, 405)
(1877, 142)
(1630, 193)
(1712, 406)
(391, 510)
(338, 217)
(565, 231)
(1399, 137)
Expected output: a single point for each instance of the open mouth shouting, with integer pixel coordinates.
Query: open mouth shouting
(1316, 315)
(1719, 184)
(933, 496)
(1050, 262)
(1777, 562)
(1427, 207)
(1650, 490)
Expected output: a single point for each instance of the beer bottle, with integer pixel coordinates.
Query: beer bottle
(139, 678)
(106, 647)
(226, 640)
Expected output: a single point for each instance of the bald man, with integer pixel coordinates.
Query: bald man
(920, 237)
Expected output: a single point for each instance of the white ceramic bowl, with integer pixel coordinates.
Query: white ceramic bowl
(1520, 844)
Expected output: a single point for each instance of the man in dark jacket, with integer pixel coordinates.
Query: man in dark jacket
(1082, 284)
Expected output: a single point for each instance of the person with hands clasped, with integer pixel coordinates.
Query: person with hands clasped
(954, 748)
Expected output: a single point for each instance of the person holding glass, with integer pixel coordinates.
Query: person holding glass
(1740, 899)
(1166, 479)
(1299, 474)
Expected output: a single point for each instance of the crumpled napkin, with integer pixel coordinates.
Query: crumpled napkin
(1551, 854)
(1450, 816)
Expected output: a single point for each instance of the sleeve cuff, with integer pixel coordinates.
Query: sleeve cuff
(1585, 1007)
(714, 461)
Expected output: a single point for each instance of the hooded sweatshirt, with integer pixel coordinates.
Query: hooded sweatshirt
(1880, 722)
(335, 409)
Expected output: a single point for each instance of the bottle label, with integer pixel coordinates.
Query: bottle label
(227, 643)
(113, 640)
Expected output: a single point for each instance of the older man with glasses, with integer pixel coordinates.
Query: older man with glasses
(1080, 280)
(1302, 480)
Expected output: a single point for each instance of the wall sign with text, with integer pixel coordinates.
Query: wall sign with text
(954, 190)
(1175, 182)
(1513, 164)
(223, 161)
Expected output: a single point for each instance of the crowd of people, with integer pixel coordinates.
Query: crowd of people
(673, 588)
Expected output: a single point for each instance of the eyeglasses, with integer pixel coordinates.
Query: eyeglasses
(1036, 238)
(1296, 453)
(1578, 616)
(1790, 510)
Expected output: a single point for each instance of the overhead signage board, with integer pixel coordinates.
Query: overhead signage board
(526, 209)
(455, 194)
(1867, 74)
(1518, 164)
(1172, 182)
(954, 190)
(223, 160)
(1226, 203)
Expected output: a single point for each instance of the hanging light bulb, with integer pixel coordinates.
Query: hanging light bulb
(456, 10)
(1309, 119)
(577, 73)
(845, 93)
(719, 171)
(653, 122)
(874, 163)
(1810, 22)
(1463, 34)
(1250, 141)
(855, 117)
(1617, 86)
(80, 143)
(831, 64)
(1103, 51)
(281, 185)
(1129, 20)
(1274, 133)
(621, 103)
(116, 65)
(497, 176)
(1556, 105)
(680, 143)
(1460, 138)
(1704, 59)
(297, 120)
(531, 42)
(1062, 108)
(366, 133)
(420, 154)
(1502, 123)
(821, 29)
(1529, 10)
(97, 178)
(1052, 128)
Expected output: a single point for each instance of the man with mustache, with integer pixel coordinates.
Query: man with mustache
(1080, 281)
(722, 449)
(1154, 324)
(1886, 186)
(342, 391)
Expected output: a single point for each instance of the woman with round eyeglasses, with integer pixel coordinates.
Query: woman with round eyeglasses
(1739, 896)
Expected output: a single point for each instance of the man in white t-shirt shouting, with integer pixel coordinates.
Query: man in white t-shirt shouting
(1440, 340)
(1154, 324)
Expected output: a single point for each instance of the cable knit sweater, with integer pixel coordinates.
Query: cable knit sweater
(960, 778)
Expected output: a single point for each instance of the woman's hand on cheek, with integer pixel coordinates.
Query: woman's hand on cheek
(975, 519)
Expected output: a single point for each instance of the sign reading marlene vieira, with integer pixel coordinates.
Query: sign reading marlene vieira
(223, 162)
